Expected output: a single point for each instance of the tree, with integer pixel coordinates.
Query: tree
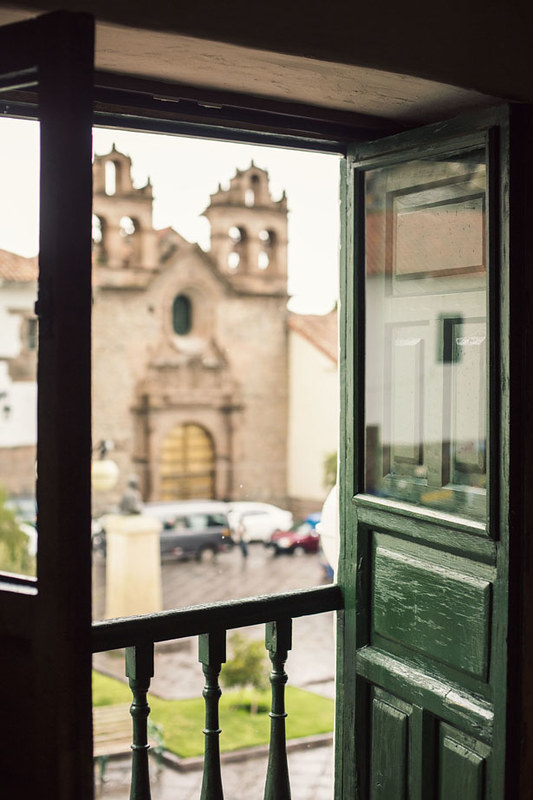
(14, 552)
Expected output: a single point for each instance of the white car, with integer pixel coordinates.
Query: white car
(256, 522)
(328, 529)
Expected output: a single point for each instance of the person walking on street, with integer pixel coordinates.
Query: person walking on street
(239, 536)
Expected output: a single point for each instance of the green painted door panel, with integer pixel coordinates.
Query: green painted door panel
(433, 605)
(394, 726)
(462, 774)
(389, 752)
(462, 767)
(424, 460)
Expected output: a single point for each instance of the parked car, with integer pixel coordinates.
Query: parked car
(190, 528)
(301, 538)
(168, 511)
(256, 522)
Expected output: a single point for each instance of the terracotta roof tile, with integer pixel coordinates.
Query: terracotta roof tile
(321, 330)
(18, 268)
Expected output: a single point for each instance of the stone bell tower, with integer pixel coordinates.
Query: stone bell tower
(123, 234)
(249, 233)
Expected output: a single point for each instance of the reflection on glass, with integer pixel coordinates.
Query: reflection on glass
(426, 350)
(19, 168)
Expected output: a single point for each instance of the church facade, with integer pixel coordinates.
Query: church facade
(190, 349)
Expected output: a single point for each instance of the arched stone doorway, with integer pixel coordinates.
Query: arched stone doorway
(187, 464)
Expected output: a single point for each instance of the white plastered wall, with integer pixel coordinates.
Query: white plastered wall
(313, 417)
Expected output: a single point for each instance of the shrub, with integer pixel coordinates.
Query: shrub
(248, 667)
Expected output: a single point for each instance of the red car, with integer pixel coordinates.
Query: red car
(301, 538)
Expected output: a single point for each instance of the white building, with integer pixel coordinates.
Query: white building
(18, 359)
(313, 406)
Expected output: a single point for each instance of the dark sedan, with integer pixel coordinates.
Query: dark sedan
(196, 534)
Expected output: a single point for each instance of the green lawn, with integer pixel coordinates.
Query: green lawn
(182, 721)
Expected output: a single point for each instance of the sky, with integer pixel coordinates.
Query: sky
(184, 172)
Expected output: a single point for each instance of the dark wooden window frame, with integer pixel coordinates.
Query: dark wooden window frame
(52, 57)
(158, 106)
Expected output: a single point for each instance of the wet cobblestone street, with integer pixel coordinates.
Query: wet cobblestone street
(310, 771)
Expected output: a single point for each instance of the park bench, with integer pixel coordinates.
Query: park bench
(112, 734)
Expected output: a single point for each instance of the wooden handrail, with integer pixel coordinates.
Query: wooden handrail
(195, 620)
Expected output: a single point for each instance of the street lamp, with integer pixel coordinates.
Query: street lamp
(104, 471)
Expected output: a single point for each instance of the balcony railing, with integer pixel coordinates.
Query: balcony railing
(211, 623)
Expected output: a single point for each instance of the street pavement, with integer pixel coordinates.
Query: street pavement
(178, 675)
(310, 771)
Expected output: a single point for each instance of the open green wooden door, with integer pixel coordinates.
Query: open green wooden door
(424, 494)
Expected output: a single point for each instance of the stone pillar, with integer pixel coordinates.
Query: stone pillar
(133, 568)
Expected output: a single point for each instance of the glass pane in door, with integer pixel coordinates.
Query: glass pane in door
(426, 338)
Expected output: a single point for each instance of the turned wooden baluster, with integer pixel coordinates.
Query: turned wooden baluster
(139, 670)
(278, 640)
(212, 654)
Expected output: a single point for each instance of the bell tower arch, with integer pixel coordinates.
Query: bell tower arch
(249, 233)
(123, 233)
